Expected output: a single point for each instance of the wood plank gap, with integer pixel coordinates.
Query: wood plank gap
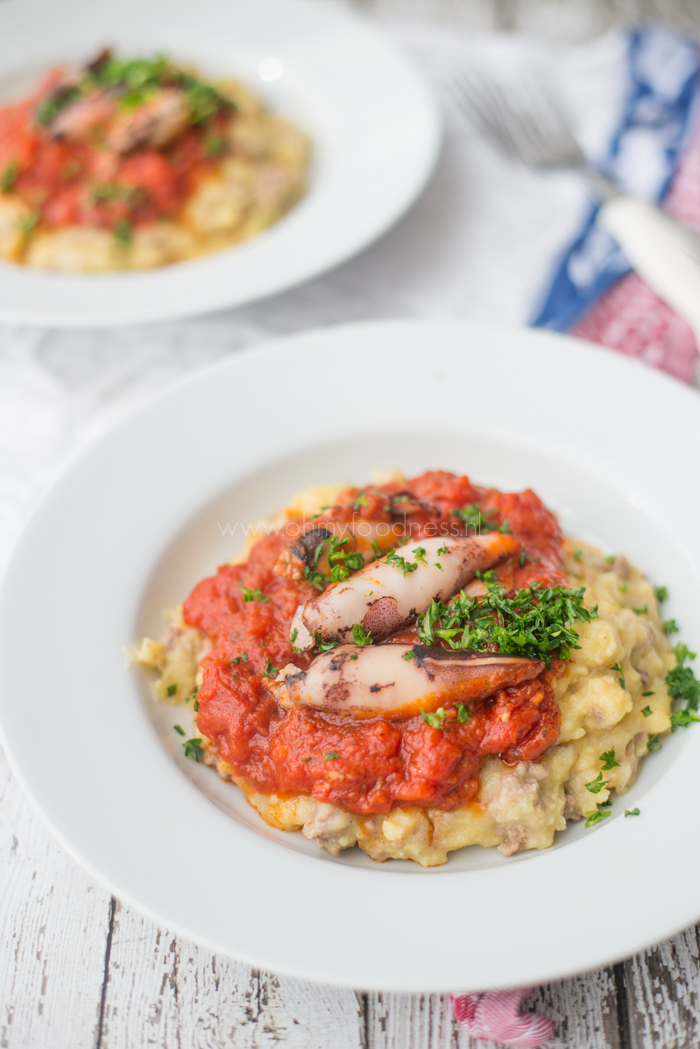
(105, 975)
(622, 1006)
(363, 1005)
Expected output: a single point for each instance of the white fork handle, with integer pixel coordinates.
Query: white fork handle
(663, 252)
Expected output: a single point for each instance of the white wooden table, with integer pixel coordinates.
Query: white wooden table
(79, 970)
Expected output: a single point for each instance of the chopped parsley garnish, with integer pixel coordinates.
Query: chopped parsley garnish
(640, 611)
(595, 817)
(123, 231)
(438, 565)
(330, 755)
(315, 578)
(55, 101)
(193, 696)
(683, 686)
(609, 760)
(463, 714)
(442, 550)
(293, 636)
(253, 595)
(650, 693)
(179, 729)
(361, 500)
(609, 560)
(632, 812)
(361, 636)
(670, 626)
(215, 146)
(683, 718)
(536, 622)
(618, 668)
(419, 554)
(29, 222)
(8, 176)
(597, 784)
(243, 656)
(193, 748)
(653, 744)
(578, 554)
(647, 710)
(321, 645)
(377, 548)
(408, 655)
(401, 563)
(270, 670)
(623, 588)
(171, 690)
(661, 593)
(346, 561)
(111, 192)
(477, 519)
(434, 720)
(352, 558)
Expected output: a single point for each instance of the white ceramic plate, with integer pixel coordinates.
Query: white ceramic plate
(374, 125)
(143, 514)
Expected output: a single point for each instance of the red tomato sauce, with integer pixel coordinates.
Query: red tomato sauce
(365, 766)
(64, 181)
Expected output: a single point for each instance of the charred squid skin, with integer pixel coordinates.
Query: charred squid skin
(382, 597)
(304, 547)
(366, 538)
(398, 680)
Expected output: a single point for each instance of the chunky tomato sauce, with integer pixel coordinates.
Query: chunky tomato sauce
(366, 766)
(85, 183)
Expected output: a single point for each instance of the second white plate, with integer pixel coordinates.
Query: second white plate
(374, 125)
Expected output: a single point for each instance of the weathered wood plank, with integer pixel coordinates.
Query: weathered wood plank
(53, 924)
(586, 1010)
(418, 1021)
(164, 991)
(664, 994)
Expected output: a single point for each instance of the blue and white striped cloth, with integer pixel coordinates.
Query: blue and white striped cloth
(663, 69)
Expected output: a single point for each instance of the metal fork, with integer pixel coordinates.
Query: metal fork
(534, 130)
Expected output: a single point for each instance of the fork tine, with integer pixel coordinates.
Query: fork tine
(531, 128)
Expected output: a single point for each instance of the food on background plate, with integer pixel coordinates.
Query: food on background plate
(421, 665)
(137, 163)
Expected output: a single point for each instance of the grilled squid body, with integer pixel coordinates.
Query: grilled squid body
(386, 596)
(386, 681)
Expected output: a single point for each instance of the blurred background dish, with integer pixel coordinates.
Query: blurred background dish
(372, 122)
(134, 162)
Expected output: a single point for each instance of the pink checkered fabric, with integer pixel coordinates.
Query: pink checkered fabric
(630, 317)
(497, 1015)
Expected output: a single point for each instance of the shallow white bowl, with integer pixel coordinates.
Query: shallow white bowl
(143, 514)
(374, 125)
